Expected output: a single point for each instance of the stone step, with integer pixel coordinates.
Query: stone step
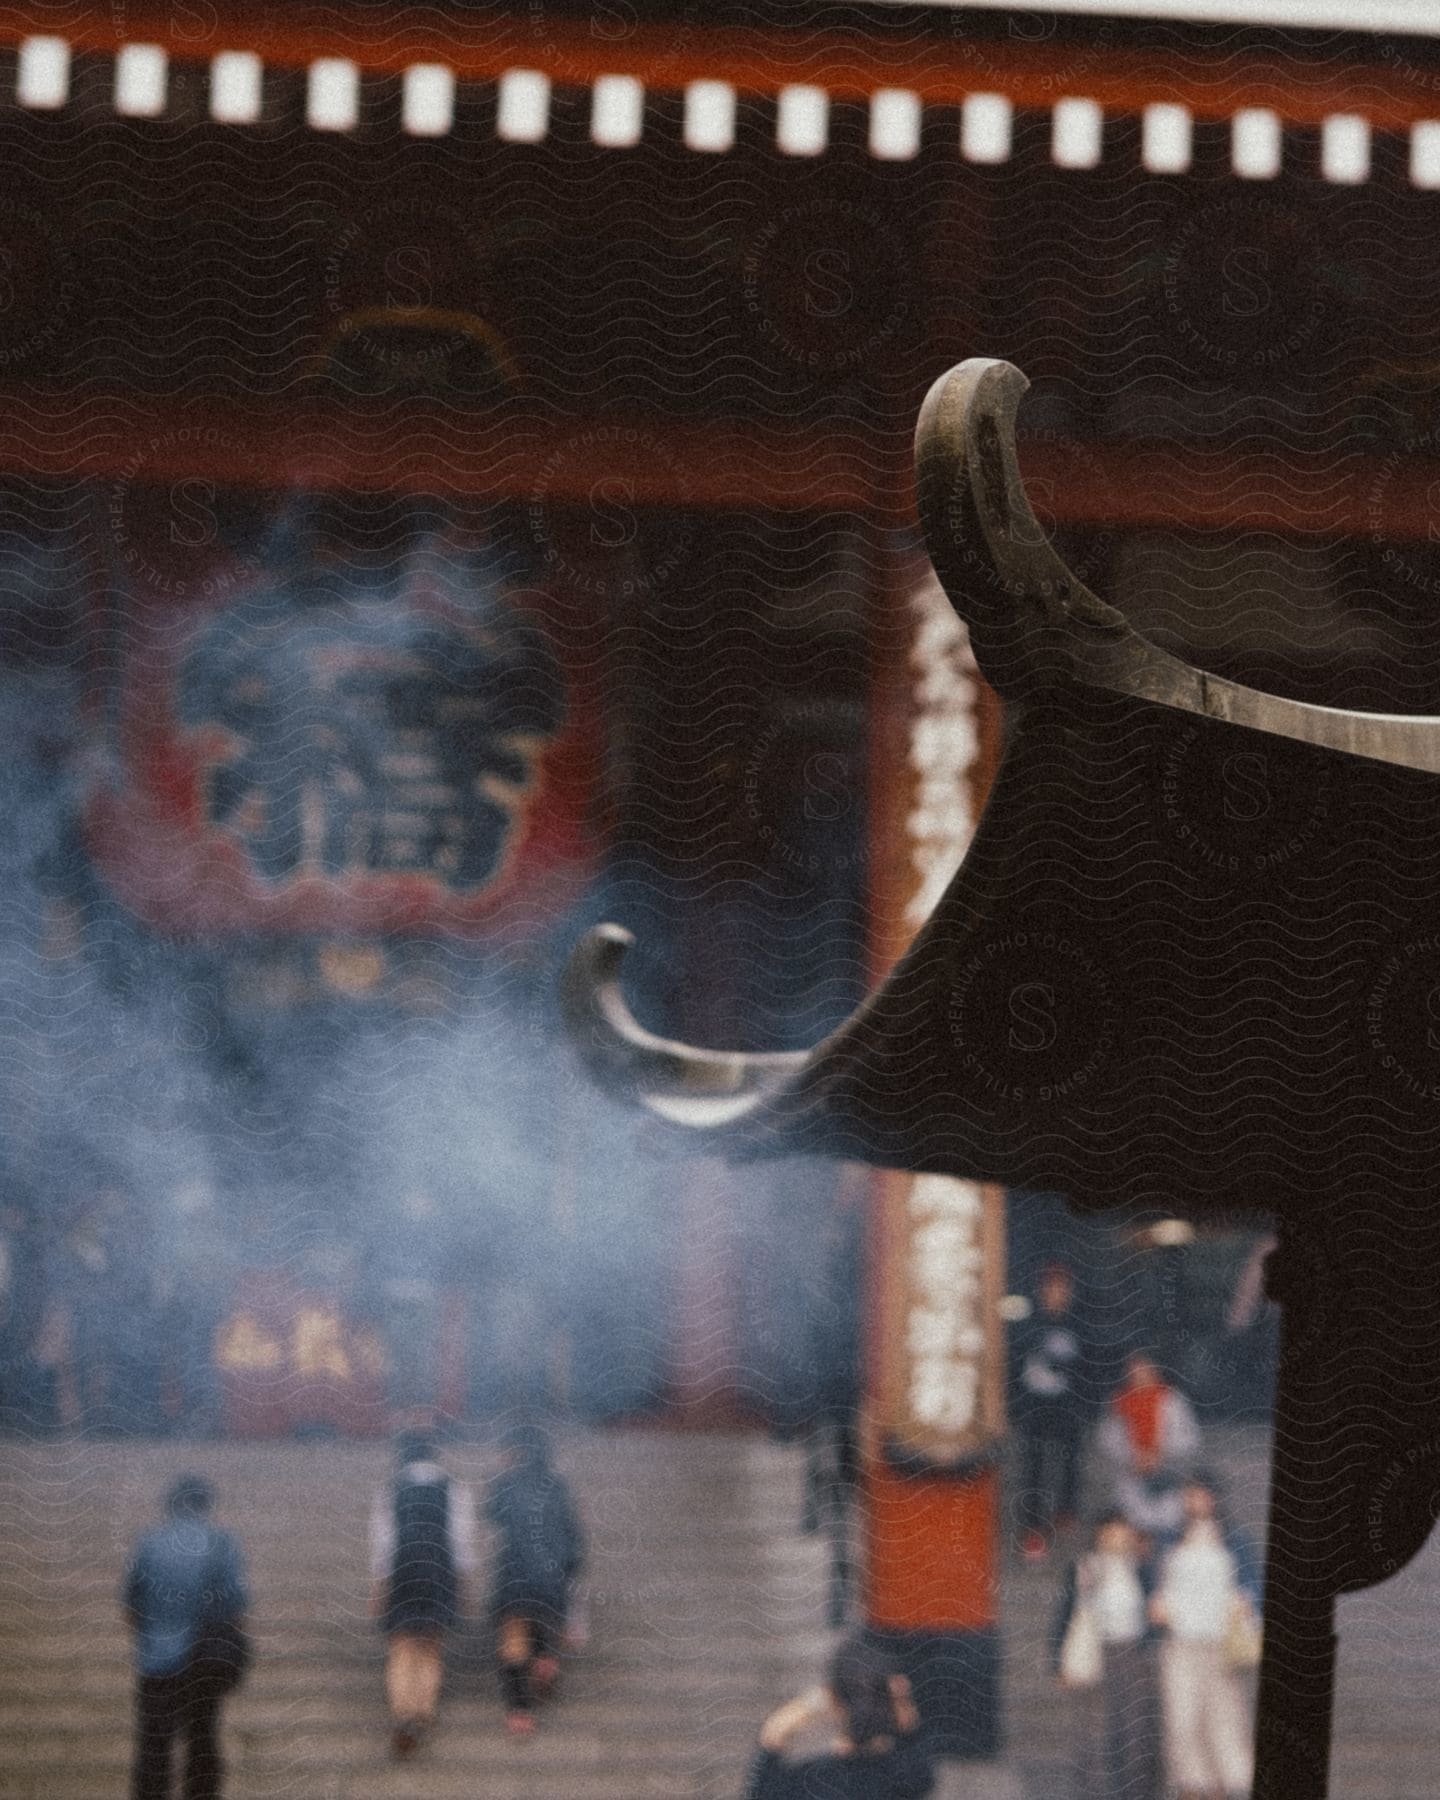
(283, 1711)
(625, 1649)
(420, 1781)
(314, 1748)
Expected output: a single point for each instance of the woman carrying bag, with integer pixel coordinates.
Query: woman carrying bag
(1103, 1649)
(1207, 1601)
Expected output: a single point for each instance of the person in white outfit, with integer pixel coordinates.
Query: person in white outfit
(1208, 1590)
(1117, 1721)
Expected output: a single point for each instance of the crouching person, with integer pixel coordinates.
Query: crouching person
(538, 1555)
(879, 1751)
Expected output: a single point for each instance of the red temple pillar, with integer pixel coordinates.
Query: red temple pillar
(934, 1392)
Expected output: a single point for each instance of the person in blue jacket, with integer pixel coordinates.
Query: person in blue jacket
(879, 1754)
(540, 1548)
(182, 1575)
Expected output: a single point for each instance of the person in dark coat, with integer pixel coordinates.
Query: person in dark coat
(422, 1547)
(1050, 1411)
(182, 1575)
(1118, 1753)
(879, 1754)
(540, 1550)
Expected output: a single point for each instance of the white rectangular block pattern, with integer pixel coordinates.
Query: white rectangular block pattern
(1165, 138)
(1425, 153)
(985, 128)
(427, 100)
(523, 113)
(617, 111)
(1345, 148)
(1076, 131)
(1255, 144)
(235, 87)
(140, 72)
(710, 116)
(332, 96)
(428, 93)
(802, 120)
(42, 75)
(894, 124)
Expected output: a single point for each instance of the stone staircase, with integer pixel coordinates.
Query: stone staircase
(703, 1607)
(707, 1606)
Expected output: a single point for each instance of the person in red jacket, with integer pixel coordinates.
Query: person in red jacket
(1151, 1440)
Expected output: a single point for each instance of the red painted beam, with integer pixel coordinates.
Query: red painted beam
(506, 453)
(721, 465)
(849, 66)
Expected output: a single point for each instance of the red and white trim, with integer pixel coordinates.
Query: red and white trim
(333, 90)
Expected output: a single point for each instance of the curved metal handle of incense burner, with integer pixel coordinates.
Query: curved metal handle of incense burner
(1036, 630)
(1087, 700)
(1034, 626)
(1034, 623)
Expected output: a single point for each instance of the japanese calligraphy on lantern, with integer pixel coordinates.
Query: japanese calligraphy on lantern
(952, 1231)
(942, 747)
(329, 746)
(365, 740)
(936, 1382)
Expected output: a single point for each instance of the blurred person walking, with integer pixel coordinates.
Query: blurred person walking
(539, 1553)
(21, 1310)
(879, 1752)
(1049, 1410)
(422, 1549)
(1151, 1439)
(1207, 1602)
(1103, 1649)
(185, 1599)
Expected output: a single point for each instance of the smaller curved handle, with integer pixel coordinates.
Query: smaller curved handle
(702, 1087)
